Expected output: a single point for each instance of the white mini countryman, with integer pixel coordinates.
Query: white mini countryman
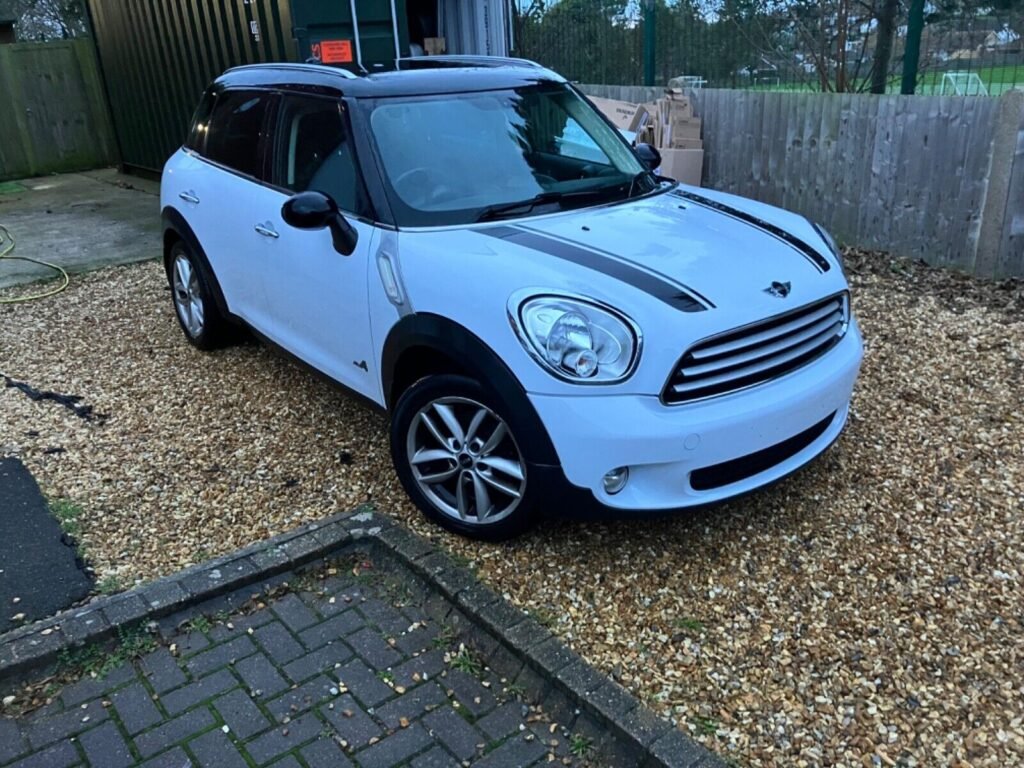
(470, 245)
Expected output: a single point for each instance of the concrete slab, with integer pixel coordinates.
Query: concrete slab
(81, 221)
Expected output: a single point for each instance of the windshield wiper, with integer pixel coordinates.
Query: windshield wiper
(525, 206)
(492, 212)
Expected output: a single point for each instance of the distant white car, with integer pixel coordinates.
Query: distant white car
(471, 246)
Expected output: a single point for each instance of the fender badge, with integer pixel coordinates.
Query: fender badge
(779, 290)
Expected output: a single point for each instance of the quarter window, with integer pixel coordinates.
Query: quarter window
(235, 130)
(196, 140)
(314, 152)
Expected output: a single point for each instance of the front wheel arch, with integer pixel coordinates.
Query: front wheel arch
(423, 344)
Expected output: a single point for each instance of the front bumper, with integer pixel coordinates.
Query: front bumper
(662, 445)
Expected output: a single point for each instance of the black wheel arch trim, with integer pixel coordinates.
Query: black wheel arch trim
(174, 221)
(426, 330)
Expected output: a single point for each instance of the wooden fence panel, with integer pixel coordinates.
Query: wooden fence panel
(919, 176)
(1011, 247)
(53, 115)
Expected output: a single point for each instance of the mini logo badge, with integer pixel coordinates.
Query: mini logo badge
(779, 290)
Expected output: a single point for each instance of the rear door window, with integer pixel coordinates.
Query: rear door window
(313, 151)
(236, 131)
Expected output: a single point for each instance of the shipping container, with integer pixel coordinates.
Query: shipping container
(157, 56)
(325, 30)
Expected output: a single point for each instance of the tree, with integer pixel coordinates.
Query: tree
(42, 20)
(585, 40)
(886, 17)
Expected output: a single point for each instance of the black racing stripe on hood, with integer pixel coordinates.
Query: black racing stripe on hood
(673, 295)
(796, 243)
(708, 304)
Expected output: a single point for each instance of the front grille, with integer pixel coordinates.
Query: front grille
(759, 352)
(734, 470)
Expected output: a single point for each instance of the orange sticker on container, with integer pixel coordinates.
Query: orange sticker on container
(333, 51)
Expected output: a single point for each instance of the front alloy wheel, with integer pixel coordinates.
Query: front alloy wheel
(465, 460)
(456, 453)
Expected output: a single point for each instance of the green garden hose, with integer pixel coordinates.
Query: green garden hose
(7, 248)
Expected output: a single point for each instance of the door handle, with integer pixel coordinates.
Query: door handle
(188, 197)
(267, 230)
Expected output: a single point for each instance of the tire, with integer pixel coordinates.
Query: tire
(192, 297)
(490, 467)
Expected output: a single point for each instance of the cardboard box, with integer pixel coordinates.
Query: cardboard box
(686, 129)
(679, 103)
(683, 165)
(624, 114)
(434, 46)
(678, 143)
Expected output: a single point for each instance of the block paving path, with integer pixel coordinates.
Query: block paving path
(333, 674)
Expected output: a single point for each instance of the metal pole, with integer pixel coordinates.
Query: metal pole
(394, 30)
(912, 55)
(355, 37)
(649, 42)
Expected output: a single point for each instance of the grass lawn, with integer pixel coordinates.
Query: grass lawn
(996, 81)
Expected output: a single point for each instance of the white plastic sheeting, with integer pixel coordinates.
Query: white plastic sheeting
(478, 27)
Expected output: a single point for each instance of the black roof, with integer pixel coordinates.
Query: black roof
(411, 82)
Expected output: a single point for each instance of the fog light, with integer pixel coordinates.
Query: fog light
(615, 480)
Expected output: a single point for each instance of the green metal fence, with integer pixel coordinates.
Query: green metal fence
(158, 56)
(940, 46)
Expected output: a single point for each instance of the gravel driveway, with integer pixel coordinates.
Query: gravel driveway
(868, 611)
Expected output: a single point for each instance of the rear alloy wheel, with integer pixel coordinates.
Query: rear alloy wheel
(194, 305)
(459, 460)
(188, 296)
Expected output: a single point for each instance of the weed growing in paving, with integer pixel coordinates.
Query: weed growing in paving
(96, 661)
(308, 581)
(199, 624)
(445, 637)
(515, 690)
(398, 592)
(110, 584)
(467, 662)
(580, 745)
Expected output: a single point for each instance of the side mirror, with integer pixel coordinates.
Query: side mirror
(315, 210)
(649, 156)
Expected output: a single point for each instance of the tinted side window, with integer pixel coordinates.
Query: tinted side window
(314, 151)
(196, 140)
(236, 127)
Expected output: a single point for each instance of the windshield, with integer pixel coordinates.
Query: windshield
(460, 158)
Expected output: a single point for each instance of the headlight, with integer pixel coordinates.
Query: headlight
(832, 245)
(576, 339)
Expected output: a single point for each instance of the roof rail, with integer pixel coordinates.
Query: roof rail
(325, 68)
(442, 62)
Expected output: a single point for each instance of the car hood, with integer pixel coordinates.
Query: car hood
(713, 247)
